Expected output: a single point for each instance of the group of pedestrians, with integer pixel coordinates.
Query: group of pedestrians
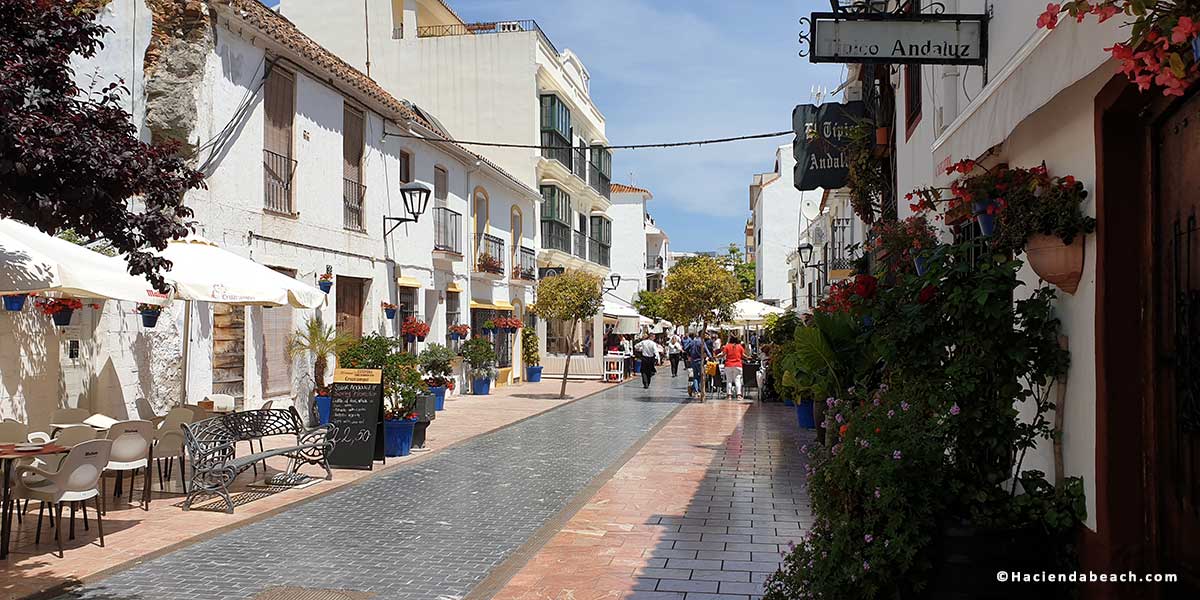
(695, 351)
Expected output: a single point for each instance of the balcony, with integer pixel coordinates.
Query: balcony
(496, 27)
(556, 236)
(599, 182)
(491, 255)
(353, 195)
(654, 263)
(278, 172)
(581, 245)
(579, 165)
(526, 270)
(557, 148)
(600, 252)
(447, 231)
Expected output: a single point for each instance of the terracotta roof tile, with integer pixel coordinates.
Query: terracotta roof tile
(620, 188)
(278, 28)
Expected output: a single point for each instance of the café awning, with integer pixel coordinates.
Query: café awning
(34, 262)
(752, 312)
(204, 272)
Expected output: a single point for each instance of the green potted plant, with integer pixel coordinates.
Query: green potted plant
(402, 386)
(488, 326)
(437, 363)
(150, 313)
(321, 341)
(530, 355)
(481, 362)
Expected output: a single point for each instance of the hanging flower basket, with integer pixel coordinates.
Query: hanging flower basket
(325, 282)
(150, 314)
(414, 330)
(389, 309)
(1056, 262)
(983, 210)
(14, 302)
(459, 332)
(62, 318)
(61, 309)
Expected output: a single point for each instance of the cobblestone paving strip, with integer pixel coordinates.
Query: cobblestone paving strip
(429, 531)
(701, 512)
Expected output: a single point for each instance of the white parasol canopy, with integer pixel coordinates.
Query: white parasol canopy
(204, 272)
(752, 312)
(628, 319)
(33, 261)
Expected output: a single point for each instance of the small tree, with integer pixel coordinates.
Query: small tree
(321, 341)
(71, 158)
(529, 348)
(701, 290)
(650, 304)
(573, 296)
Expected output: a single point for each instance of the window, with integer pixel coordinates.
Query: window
(912, 86)
(556, 219)
(600, 242)
(279, 99)
(479, 216)
(353, 191)
(406, 302)
(441, 183)
(277, 326)
(556, 130)
(453, 308)
(601, 170)
(559, 339)
(515, 227)
(405, 167)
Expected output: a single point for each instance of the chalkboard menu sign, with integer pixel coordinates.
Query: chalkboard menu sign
(356, 428)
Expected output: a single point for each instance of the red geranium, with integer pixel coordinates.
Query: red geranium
(865, 286)
(928, 293)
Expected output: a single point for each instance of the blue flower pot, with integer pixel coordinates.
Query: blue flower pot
(919, 263)
(15, 302)
(389, 313)
(868, 321)
(397, 437)
(324, 407)
(987, 223)
(1196, 49)
(439, 396)
(481, 387)
(788, 402)
(150, 318)
(410, 338)
(62, 318)
(455, 337)
(325, 285)
(533, 374)
(804, 415)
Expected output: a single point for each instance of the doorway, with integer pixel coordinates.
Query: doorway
(351, 298)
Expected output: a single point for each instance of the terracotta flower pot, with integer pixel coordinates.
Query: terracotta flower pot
(883, 136)
(1058, 263)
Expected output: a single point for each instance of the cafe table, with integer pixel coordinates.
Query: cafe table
(8, 455)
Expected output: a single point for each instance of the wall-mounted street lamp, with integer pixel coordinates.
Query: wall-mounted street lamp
(416, 198)
(806, 254)
(614, 280)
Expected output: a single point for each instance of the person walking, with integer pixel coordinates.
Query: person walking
(695, 351)
(648, 351)
(675, 353)
(732, 354)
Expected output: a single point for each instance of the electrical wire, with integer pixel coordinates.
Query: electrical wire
(218, 142)
(607, 147)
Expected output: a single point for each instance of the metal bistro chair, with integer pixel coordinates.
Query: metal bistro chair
(75, 481)
(132, 449)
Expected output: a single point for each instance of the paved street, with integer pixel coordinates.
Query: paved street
(430, 530)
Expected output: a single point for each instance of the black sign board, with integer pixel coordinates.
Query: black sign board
(356, 418)
(822, 134)
(545, 272)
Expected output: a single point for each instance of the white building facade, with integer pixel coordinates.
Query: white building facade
(776, 219)
(641, 250)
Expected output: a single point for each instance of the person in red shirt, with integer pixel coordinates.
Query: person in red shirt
(732, 354)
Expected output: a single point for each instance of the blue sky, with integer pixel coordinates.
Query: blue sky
(670, 70)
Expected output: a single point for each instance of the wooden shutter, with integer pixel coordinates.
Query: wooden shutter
(350, 293)
(352, 144)
(279, 101)
(277, 366)
(405, 167)
(441, 183)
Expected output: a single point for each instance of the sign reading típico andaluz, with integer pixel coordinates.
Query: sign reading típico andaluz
(822, 134)
(899, 39)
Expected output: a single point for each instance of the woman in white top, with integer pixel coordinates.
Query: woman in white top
(675, 353)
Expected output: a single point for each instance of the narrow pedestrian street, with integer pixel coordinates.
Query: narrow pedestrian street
(440, 527)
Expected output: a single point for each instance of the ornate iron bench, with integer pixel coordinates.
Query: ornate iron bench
(211, 445)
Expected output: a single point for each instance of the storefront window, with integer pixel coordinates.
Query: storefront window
(558, 337)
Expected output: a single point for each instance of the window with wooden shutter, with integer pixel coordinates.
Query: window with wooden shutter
(405, 167)
(441, 184)
(353, 191)
(279, 169)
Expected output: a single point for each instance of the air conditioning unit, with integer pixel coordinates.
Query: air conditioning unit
(508, 26)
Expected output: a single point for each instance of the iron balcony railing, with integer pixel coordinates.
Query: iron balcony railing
(580, 165)
(353, 196)
(654, 262)
(484, 29)
(447, 230)
(581, 244)
(491, 255)
(278, 171)
(599, 252)
(554, 147)
(599, 182)
(527, 269)
(556, 236)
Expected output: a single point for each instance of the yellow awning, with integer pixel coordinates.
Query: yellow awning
(454, 287)
(408, 282)
(501, 305)
(504, 305)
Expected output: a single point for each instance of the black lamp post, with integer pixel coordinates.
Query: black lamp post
(806, 254)
(614, 280)
(416, 199)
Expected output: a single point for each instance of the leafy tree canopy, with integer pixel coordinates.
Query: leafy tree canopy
(72, 159)
(700, 290)
(650, 304)
(572, 296)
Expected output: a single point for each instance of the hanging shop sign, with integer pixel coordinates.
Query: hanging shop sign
(822, 135)
(938, 39)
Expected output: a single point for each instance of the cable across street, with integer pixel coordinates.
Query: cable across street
(739, 138)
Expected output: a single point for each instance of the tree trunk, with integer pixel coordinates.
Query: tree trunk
(319, 373)
(703, 361)
(562, 391)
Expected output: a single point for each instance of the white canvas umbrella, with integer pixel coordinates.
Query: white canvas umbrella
(205, 272)
(35, 262)
(752, 312)
(628, 319)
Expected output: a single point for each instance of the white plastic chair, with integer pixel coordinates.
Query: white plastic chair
(132, 449)
(75, 481)
(68, 437)
(168, 444)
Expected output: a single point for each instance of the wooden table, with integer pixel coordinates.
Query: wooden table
(9, 454)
